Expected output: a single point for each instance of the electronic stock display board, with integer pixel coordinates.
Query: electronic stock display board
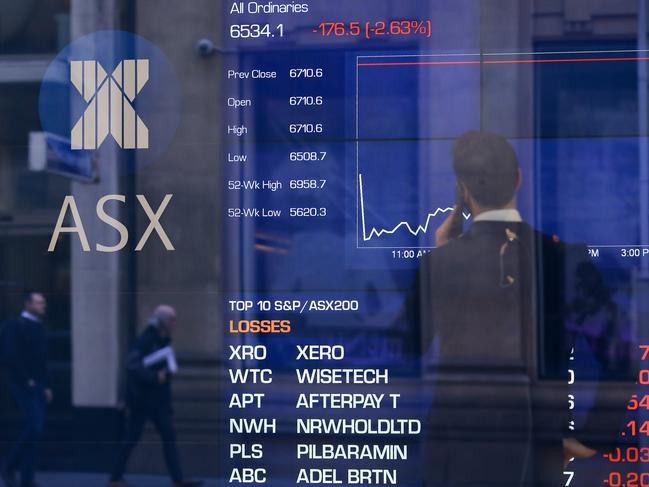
(404, 242)
(342, 125)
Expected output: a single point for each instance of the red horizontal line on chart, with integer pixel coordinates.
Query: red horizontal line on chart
(504, 61)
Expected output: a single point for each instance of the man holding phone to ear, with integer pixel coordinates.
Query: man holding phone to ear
(486, 186)
(480, 297)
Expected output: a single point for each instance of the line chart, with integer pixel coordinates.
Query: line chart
(402, 151)
(419, 229)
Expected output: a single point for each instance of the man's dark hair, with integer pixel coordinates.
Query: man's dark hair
(487, 165)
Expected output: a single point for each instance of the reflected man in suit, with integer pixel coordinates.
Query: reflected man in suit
(25, 341)
(148, 397)
(492, 303)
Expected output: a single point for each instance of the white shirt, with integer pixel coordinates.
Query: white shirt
(504, 215)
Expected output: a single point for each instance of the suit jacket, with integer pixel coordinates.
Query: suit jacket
(493, 305)
(143, 388)
(25, 341)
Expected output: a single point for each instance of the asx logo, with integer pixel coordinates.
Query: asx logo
(69, 203)
(110, 89)
(110, 104)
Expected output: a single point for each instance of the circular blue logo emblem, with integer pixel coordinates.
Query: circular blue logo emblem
(109, 88)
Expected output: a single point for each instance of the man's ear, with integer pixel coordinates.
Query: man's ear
(519, 178)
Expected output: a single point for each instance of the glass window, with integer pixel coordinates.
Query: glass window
(33, 26)
(22, 190)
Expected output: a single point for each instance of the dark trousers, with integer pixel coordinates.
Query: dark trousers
(161, 417)
(31, 402)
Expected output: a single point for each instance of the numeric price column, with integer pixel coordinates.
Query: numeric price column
(635, 434)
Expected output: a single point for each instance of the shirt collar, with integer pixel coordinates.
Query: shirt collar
(29, 316)
(504, 215)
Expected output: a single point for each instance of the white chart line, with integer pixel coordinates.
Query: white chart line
(414, 231)
(359, 191)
